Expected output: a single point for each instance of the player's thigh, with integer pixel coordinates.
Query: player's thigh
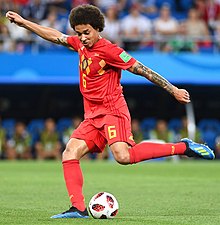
(75, 149)
(94, 137)
(118, 129)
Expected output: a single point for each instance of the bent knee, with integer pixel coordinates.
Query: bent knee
(70, 153)
(122, 158)
(73, 152)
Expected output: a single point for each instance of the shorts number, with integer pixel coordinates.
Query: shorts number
(111, 132)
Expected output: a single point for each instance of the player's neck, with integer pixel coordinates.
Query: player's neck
(99, 38)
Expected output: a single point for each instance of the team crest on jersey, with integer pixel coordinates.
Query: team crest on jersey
(84, 64)
(125, 57)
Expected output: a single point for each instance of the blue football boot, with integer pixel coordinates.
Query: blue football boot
(197, 150)
(72, 213)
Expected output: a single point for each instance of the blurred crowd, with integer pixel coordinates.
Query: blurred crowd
(162, 25)
(43, 139)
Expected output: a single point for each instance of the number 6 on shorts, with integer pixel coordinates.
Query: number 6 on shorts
(111, 132)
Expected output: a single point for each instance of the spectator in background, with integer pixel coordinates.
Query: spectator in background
(165, 27)
(147, 6)
(5, 5)
(19, 37)
(135, 28)
(2, 140)
(217, 35)
(200, 6)
(104, 5)
(19, 146)
(209, 11)
(184, 131)
(53, 22)
(216, 32)
(193, 33)
(212, 13)
(136, 131)
(194, 26)
(196, 29)
(161, 132)
(48, 146)
(75, 3)
(59, 4)
(21, 2)
(10, 39)
(112, 25)
(6, 43)
(35, 10)
(67, 133)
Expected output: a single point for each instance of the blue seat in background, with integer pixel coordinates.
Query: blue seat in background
(210, 129)
(209, 124)
(186, 4)
(175, 125)
(63, 124)
(209, 137)
(9, 125)
(170, 3)
(34, 127)
(147, 125)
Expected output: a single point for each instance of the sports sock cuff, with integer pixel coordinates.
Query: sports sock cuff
(70, 161)
(132, 155)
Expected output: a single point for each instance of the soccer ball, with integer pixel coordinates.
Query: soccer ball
(103, 205)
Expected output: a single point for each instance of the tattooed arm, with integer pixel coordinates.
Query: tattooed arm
(181, 95)
(46, 33)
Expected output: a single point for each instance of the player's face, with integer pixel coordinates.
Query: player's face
(87, 35)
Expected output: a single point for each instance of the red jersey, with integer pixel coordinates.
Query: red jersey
(100, 73)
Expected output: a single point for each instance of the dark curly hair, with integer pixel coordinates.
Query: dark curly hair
(87, 14)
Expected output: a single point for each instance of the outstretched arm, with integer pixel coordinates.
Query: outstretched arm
(181, 95)
(46, 33)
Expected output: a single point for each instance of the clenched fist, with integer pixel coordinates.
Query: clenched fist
(15, 18)
(181, 95)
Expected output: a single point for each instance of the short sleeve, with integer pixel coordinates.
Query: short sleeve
(74, 42)
(118, 57)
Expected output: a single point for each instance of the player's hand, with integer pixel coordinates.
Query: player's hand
(181, 95)
(15, 18)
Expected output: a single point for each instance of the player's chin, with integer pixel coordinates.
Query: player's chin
(88, 45)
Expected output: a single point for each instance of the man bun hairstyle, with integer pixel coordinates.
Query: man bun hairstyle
(87, 14)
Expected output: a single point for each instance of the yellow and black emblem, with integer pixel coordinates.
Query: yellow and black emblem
(84, 64)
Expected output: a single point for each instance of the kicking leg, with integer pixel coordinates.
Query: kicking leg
(148, 150)
(124, 154)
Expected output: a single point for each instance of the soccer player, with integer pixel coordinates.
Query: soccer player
(107, 119)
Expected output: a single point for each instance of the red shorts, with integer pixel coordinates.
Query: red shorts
(99, 131)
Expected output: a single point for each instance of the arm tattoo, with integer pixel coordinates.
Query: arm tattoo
(62, 40)
(154, 77)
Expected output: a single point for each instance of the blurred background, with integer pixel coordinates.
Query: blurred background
(40, 102)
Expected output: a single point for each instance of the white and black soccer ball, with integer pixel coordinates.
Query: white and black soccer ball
(103, 205)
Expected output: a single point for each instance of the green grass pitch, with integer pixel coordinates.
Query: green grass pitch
(149, 193)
